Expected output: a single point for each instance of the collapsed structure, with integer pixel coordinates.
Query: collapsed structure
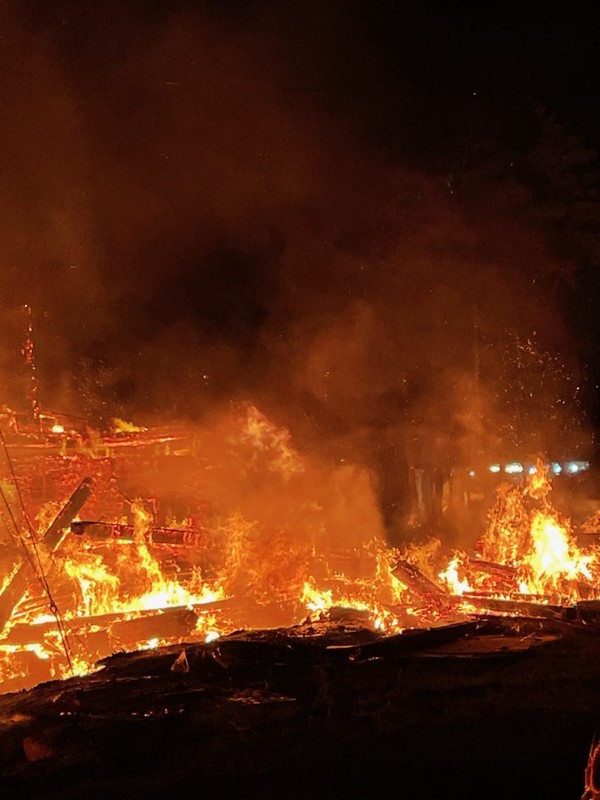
(148, 551)
(212, 578)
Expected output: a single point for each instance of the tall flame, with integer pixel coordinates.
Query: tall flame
(527, 535)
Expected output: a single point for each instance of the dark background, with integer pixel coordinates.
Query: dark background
(376, 220)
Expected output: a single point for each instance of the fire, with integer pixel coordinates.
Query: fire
(272, 562)
(527, 549)
(451, 576)
(386, 584)
(316, 601)
(554, 564)
(142, 587)
(377, 596)
(123, 426)
(264, 436)
(99, 588)
(118, 584)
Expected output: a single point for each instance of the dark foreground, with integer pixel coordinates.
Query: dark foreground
(490, 710)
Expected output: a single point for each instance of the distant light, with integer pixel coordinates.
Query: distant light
(472, 473)
(513, 468)
(532, 470)
(556, 468)
(57, 429)
(573, 467)
(494, 467)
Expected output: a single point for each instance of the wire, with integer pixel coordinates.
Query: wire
(36, 563)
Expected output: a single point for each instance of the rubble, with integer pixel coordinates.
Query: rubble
(247, 653)
(256, 705)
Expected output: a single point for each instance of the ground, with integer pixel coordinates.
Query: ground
(498, 709)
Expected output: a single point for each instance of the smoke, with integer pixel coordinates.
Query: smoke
(202, 205)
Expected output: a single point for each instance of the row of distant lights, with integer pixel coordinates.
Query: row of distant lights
(516, 468)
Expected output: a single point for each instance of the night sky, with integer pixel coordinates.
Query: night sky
(377, 220)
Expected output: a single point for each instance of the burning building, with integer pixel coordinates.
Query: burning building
(268, 612)
(337, 260)
(150, 528)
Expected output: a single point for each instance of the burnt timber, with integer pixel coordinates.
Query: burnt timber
(102, 531)
(495, 708)
(18, 584)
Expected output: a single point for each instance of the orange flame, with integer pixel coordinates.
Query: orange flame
(527, 535)
(260, 565)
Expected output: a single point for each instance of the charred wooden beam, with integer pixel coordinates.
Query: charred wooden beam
(59, 528)
(523, 607)
(416, 580)
(588, 611)
(24, 633)
(493, 568)
(102, 531)
(507, 575)
(19, 583)
(415, 640)
(178, 624)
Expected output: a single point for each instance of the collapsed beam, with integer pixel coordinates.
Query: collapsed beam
(52, 539)
(102, 531)
(416, 580)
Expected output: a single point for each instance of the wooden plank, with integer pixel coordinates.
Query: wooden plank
(416, 580)
(19, 583)
(102, 531)
(525, 607)
(24, 633)
(412, 641)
